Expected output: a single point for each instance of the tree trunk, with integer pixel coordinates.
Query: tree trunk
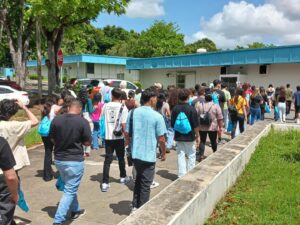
(39, 60)
(54, 40)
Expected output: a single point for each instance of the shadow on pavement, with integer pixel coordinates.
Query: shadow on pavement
(121, 208)
(98, 178)
(167, 175)
(22, 221)
(51, 210)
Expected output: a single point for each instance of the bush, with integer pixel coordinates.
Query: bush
(138, 84)
(34, 77)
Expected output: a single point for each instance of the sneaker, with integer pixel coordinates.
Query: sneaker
(105, 187)
(76, 215)
(133, 210)
(154, 185)
(125, 180)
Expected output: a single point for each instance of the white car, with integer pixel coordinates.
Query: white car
(10, 93)
(116, 83)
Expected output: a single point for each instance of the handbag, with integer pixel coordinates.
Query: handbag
(118, 129)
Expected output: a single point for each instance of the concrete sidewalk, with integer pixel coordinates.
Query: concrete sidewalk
(102, 208)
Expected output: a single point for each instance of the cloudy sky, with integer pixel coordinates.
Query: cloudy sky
(227, 23)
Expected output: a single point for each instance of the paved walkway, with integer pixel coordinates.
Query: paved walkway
(102, 208)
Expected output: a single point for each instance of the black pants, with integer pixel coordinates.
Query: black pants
(7, 208)
(144, 177)
(241, 120)
(212, 137)
(288, 107)
(48, 158)
(110, 147)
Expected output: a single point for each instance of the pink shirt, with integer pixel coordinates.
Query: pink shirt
(215, 115)
(95, 116)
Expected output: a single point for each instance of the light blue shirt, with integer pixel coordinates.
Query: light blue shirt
(148, 125)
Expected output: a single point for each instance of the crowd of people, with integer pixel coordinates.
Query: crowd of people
(140, 126)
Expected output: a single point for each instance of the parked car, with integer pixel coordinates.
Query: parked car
(86, 82)
(116, 83)
(11, 84)
(11, 93)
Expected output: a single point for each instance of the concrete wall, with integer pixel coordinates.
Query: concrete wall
(277, 74)
(191, 199)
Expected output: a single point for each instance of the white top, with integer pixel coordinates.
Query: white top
(14, 132)
(110, 112)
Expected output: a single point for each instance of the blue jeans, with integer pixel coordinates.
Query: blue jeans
(189, 149)
(226, 118)
(170, 137)
(96, 135)
(255, 115)
(71, 173)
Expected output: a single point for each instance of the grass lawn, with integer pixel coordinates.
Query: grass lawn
(32, 138)
(268, 192)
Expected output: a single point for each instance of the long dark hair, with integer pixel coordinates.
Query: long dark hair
(238, 92)
(160, 101)
(83, 96)
(47, 108)
(173, 98)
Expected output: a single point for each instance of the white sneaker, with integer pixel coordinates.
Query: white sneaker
(105, 187)
(154, 185)
(125, 180)
(133, 210)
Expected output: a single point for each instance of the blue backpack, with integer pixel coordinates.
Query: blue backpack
(182, 124)
(44, 127)
(215, 98)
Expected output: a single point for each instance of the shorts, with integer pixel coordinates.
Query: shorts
(297, 109)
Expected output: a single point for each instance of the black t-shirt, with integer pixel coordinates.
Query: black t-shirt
(191, 114)
(69, 132)
(255, 101)
(7, 160)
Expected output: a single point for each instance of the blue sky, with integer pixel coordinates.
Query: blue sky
(228, 23)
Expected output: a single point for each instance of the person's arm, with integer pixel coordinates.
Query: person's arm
(90, 107)
(30, 115)
(162, 145)
(12, 182)
(197, 135)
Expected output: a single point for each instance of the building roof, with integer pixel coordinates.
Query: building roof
(273, 55)
(87, 58)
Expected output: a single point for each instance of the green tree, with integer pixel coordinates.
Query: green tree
(206, 43)
(255, 45)
(57, 16)
(160, 39)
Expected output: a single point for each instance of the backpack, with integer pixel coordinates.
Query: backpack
(215, 98)
(182, 124)
(205, 118)
(44, 127)
(232, 111)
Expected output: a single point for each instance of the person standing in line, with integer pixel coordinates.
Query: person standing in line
(289, 98)
(144, 128)
(255, 110)
(296, 97)
(239, 112)
(281, 104)
(211, 121)
(270, 94)
(9, 183)
(69, 132)
(218, 98)
(95, 116)
(226, 103)
(115, 116)
(264, 96)
(185, 140)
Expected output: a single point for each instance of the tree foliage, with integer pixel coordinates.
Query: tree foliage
(206, 43)
(254, 45)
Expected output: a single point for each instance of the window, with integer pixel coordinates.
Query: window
(5, 91)
(130, 86)
(180, 81)
(90, 68)
(223, 70)
(120, 76)
(263, 69)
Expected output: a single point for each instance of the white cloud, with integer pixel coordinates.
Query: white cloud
(243, 23)
(145, 8)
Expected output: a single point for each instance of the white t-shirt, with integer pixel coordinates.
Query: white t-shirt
(14, 132)
(110, 112)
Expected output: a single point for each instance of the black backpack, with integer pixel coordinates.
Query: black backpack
(232, 110)
(205, 118)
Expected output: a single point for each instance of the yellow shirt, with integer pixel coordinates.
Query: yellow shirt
(239, 105)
